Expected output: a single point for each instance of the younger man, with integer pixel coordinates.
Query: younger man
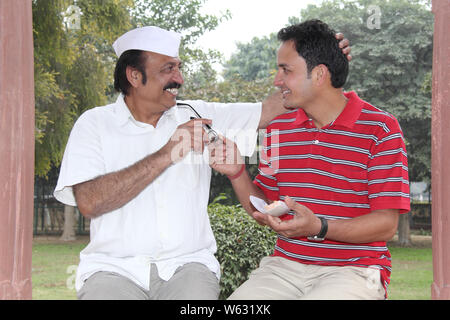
(340, 165)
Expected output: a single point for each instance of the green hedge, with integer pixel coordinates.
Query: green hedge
(241, 244)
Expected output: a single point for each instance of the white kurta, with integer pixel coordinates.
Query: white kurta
(167, 223)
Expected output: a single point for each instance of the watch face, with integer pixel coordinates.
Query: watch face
(315, 238)
(323, 231)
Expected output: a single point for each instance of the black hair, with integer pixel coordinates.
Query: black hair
(315, 42)
(130, 58)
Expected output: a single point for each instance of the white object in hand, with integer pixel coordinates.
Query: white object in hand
(275, 209)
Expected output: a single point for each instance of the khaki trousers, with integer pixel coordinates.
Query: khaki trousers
(283, 279)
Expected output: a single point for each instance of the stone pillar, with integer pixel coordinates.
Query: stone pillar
(440, 152)
(16, 148)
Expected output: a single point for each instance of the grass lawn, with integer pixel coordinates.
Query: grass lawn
(54, 262)
(53, 266)
(412, 274)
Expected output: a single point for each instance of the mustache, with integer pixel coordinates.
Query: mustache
(172, 85)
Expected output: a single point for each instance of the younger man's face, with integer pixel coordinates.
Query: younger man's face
(292, 77)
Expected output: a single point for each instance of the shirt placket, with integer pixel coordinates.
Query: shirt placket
(162, 216)
(315, 136)
(319, 133)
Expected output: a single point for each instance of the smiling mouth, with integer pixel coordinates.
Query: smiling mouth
(172, 91)
(172, 88)
(285, 92)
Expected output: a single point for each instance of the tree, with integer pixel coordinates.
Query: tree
(71, 68)
(52, 52)
(254, 60)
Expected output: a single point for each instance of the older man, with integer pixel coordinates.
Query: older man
(138, 169)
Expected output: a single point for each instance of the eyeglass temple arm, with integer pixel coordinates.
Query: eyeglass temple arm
(192, 108)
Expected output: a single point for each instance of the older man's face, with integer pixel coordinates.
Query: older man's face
(164, 78)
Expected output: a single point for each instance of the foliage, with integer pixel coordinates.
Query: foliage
(391, 62)
(91, 78)
(235, 89)
(72, 68)
(241, 244)
(182, 16)
(254, 60)
(52, 100)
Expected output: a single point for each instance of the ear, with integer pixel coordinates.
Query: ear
(321, 75)
(134, 77)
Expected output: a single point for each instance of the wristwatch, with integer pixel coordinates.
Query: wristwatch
(323, 231)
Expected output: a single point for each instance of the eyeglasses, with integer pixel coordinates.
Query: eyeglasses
(213, 136)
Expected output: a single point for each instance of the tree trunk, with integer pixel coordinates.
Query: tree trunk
(69, 224)
(404, 235)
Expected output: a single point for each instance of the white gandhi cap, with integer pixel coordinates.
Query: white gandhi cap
(150, 38)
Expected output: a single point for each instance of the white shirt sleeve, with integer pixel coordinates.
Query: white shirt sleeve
(236, 121)
(82, 160)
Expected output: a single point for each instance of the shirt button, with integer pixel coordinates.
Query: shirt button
(316, 141)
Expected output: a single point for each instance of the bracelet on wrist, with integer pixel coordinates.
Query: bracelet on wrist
(237, 175)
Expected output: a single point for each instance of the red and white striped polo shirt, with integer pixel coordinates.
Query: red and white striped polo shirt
(353, 166)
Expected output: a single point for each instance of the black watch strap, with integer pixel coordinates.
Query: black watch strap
(323, 231)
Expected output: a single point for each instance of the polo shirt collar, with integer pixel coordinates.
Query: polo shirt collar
(301, 117)
(124, 115)
(348, 116)
(352, 110)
